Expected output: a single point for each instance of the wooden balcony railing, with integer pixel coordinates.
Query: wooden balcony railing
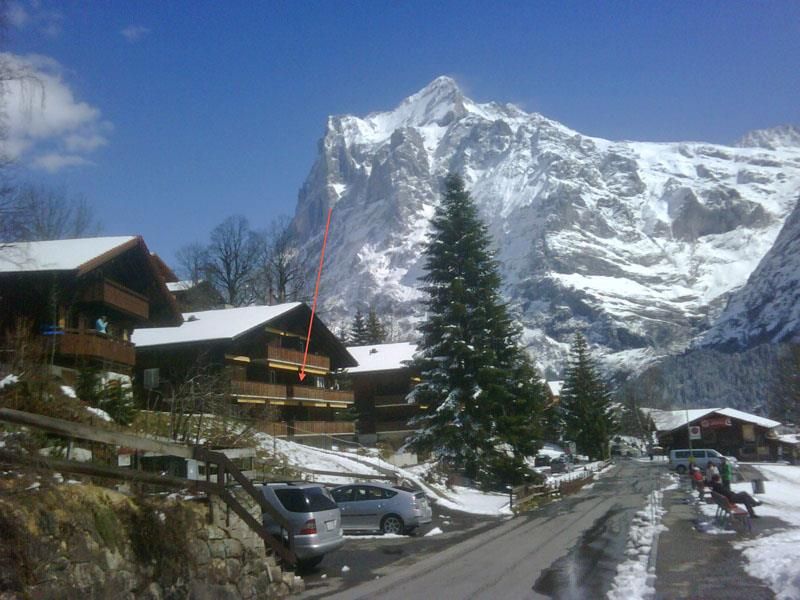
(303, 392)
(393, 400)
(87, 343)
(282, 429)
(256, 389)
(295, 357)
(117, 296)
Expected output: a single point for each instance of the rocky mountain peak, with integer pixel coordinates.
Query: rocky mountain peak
(783, 136)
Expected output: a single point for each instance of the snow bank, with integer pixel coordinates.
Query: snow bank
(8, 380)
(774, 557)
(635, 576)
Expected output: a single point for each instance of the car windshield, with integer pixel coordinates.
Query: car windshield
(305, 500)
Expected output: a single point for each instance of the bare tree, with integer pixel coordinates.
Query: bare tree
(232, 260)
(283, 275)
(192, 260)
(39, 213)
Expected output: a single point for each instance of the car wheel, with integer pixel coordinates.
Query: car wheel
(309, 563)
(392, 524)
(681, 469)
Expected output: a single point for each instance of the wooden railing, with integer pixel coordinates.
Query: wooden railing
(225, 469)
(257, 389)
(118, 296)
(295, 357)
(321, 427)
(91, 344)
(393, 400)
(304, 392)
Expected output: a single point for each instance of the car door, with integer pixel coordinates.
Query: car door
(343, 496)
(370, 500)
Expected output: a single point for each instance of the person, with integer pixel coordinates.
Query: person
(735, 497)
(711, 470)
(697, 481)
(726, 473)
(101, 325)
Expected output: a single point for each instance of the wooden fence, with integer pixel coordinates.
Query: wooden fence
(570, 484)
(226, 469)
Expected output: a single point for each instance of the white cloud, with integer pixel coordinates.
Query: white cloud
(46, 125)
(48, 22)
(53, 162)
(133, 33)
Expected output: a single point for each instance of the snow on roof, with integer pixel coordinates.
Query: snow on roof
(56, 255)
(743, 416)
(667, 420)
(180, 286)
(381, 357)
(223, 324)
(555, 387)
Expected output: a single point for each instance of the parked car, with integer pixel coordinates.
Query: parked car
(560, 464)
(542, 460)
(314, 518)
(679, 459)
(381, 507)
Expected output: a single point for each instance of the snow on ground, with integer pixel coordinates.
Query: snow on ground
(8, 380)
(99, 412)
(774, 556)
(68, 391)
(456, 498)
(636, 575)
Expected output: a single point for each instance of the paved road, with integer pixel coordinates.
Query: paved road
(569, 549)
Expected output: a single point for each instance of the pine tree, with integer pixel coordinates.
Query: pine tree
(376, 332)
(359, 336)
(483, 396)
(585, 405)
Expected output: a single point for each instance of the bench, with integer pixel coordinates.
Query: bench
(729, 512)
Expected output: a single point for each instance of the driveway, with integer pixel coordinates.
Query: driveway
(568, 549)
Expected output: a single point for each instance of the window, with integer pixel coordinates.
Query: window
(344, 494)
(151, 379)
(305, 500)
(319, 382)
(682, 454)
(699, 453)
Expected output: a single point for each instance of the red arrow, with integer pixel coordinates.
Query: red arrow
(316, 293)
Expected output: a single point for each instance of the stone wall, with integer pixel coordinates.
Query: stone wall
(84, 542)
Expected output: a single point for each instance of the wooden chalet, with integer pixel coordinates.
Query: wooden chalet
(259, 351)
(729, 431)
(381, 382)
(59, 288)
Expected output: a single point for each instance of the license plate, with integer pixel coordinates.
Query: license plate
(330, 525)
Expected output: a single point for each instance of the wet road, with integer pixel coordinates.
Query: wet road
(569, 549)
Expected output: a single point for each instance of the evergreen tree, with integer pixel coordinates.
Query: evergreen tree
(359, 336)
(586, 404)
(376, 332)
(483, 396)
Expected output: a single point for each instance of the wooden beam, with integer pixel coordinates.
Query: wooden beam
(87, 432)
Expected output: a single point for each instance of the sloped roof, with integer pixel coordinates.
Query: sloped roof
(668, 420)
(555, 387)
(381, 357)
(60, 255)
(222, 324)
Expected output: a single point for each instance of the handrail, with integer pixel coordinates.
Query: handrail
(75, 430)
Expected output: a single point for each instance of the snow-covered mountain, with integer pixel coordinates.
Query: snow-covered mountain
(767, 308)
(636, 244)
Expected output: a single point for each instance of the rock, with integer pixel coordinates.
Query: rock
(233, 548)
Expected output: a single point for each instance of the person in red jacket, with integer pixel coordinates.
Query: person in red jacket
(697, 481)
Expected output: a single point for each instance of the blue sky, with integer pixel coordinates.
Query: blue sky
(170, 116)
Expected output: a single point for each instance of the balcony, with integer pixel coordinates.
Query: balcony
(116, 296)
(393, 400)
(301, 428)
(87, 343)
(388, 426)
(315, 394)
(294, 358)
(258, 390)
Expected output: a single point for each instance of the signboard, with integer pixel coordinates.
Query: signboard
(694, 432)
(715, 423)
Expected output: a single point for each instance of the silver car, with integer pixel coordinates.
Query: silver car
(381, 507)
(314, 518)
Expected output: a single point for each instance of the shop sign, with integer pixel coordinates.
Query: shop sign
(716, 423)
